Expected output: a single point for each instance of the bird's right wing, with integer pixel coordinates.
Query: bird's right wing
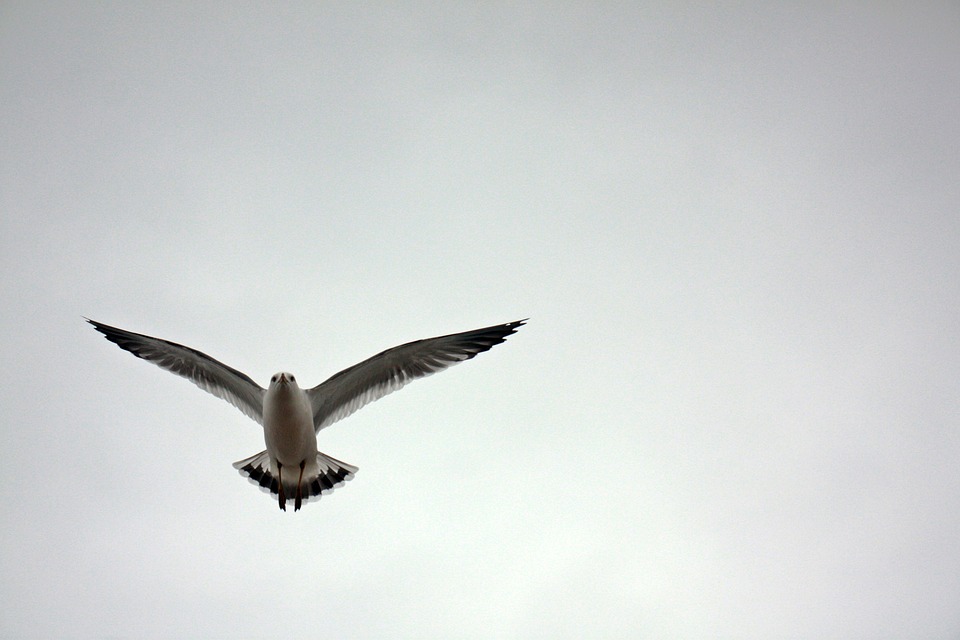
(210, 375)
(386, 372)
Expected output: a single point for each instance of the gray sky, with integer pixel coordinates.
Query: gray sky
(734, 412)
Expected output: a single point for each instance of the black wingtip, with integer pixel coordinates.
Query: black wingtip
(506, 329)
(113, 334)
(102, 328)
(511, 328)
(99, 326)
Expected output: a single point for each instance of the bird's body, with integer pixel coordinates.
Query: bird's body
(288, 422)
(291, 466)
(289, 435)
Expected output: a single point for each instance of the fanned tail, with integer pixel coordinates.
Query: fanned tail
(332, 473)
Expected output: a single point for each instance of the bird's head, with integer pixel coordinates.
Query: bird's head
(283, 379)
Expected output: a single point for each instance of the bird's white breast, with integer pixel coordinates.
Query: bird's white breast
(288, 425)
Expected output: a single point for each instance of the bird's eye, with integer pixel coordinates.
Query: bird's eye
(273, 379)
(293, 378)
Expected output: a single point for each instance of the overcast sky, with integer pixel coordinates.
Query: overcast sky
(734, 413)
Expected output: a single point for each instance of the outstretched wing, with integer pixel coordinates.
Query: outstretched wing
(386, 372)
(210, 375)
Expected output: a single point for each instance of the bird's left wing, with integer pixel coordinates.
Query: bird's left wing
(389, 370)
(210, 375)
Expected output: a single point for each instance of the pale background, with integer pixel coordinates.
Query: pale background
(734, 412)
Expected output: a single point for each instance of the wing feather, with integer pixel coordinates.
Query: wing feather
(384, 373)
(210, 375)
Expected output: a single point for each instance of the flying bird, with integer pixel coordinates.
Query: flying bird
(291, 466)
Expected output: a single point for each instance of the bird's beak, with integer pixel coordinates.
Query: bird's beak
(283, 378)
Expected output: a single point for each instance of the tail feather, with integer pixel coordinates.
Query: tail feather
(332, 473)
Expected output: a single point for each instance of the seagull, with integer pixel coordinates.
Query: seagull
(291, 465)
